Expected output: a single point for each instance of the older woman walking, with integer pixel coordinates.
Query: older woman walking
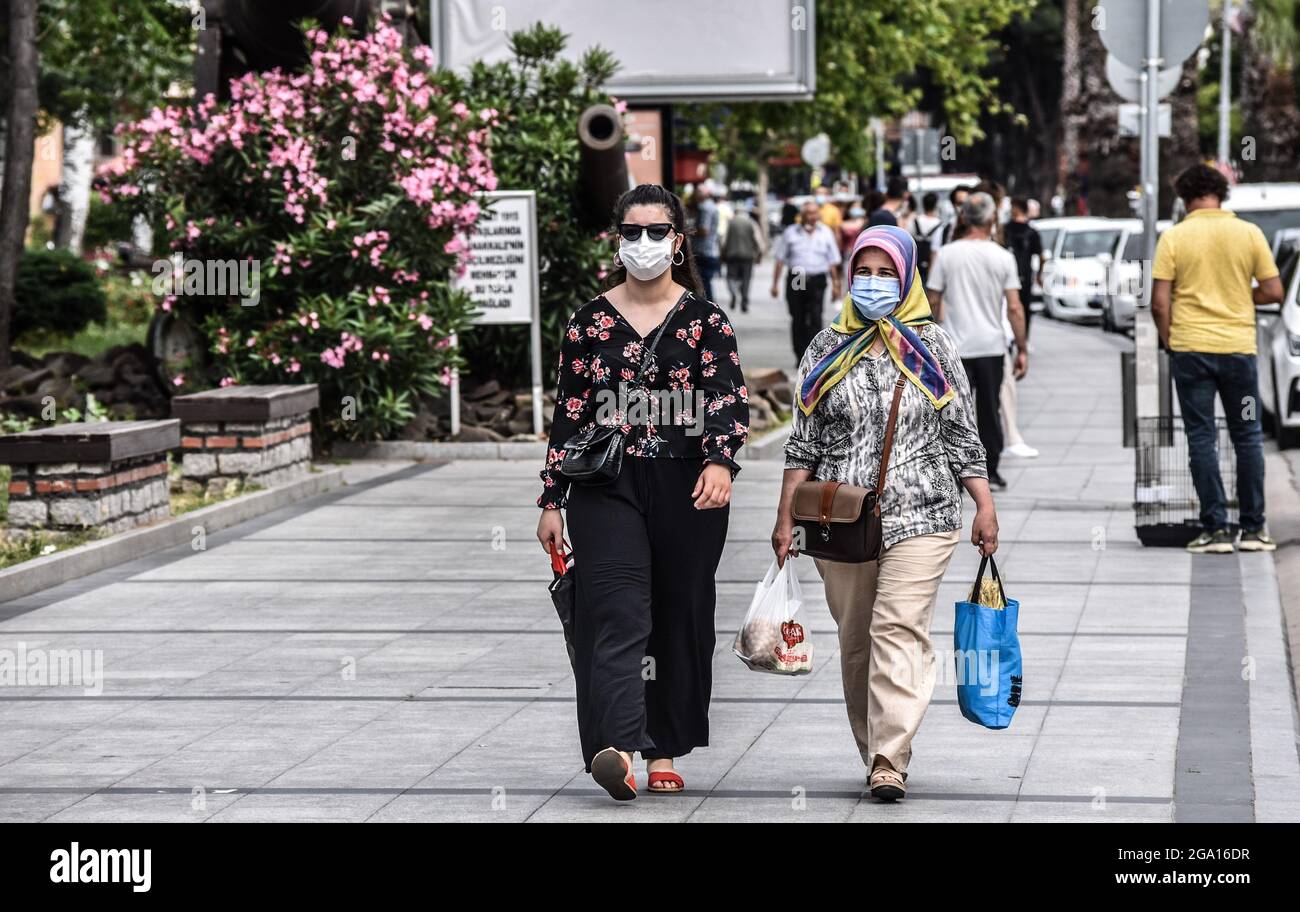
(847, 377)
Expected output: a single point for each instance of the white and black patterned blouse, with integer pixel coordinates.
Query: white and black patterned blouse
(842, 438)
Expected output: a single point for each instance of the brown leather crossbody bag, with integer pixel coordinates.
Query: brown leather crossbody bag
(841, 522)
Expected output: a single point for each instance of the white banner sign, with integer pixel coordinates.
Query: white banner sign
(501, 275)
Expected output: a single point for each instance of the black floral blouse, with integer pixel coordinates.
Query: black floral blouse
(696, 358)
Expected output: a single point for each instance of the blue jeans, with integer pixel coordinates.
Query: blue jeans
(1198, 376)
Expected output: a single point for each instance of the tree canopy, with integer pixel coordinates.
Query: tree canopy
(876, 60)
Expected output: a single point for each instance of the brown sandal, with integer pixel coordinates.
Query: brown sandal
(887, 784)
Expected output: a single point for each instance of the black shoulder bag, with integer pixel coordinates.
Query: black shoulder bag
(595, 456)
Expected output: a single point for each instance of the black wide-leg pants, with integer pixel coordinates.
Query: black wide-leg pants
(645, 561)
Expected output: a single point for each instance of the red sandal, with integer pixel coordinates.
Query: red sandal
(614, 774)
(665, 776)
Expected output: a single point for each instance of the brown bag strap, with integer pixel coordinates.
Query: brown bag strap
(828, 497)
(889, 437)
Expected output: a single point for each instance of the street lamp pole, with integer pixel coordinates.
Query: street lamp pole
(1225, 85)
(1147, 348)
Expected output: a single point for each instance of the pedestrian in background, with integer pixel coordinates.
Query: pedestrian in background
(741, 249)
(810, 253)
(789, 213)
(646, 543)
(831, 214)
(1013, 442)
(1026, 245)
(953, 229)
(1001, 206)
(925, 230)
(884, 335)
(968, 281)
(1204, 309)
(892, 208)
(852, 226)
(708, 249)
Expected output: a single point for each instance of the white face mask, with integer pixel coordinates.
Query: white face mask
(646, 259)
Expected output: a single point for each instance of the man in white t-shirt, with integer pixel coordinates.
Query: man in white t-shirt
(967, 284)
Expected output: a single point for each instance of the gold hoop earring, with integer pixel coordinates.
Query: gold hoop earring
(618, 264)
(676, 261)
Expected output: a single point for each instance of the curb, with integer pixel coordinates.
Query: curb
(1274, 763)
(63, 566)
(430, 450)
(1282, 487)
(770, 446)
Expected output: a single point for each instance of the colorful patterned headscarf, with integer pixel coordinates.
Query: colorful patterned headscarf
(901, 340)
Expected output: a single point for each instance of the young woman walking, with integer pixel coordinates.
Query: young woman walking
(647, 543)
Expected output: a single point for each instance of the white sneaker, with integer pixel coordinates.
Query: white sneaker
(1022, 450)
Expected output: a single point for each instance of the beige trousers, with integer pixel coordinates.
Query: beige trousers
(883, 610)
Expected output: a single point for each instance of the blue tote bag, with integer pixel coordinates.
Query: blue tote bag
(988, 655)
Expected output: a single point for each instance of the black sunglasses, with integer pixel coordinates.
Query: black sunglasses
(657, 232)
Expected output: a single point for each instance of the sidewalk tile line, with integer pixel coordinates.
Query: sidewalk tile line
(566, 792)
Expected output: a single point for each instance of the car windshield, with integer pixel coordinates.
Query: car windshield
(1271, 221)
(1134, 247)
(1287, 257)
(1048, 236)
(1081, 244)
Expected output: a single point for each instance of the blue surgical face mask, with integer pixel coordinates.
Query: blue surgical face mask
(874, 297)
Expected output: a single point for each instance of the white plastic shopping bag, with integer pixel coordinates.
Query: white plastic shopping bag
(771, 638)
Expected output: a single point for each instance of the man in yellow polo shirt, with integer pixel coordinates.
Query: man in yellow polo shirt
(1204, 308)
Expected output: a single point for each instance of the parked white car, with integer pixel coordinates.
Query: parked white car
(1273, 207)
(1277, 335)
(1049, 232)
(1119, 308)
(1076, 279)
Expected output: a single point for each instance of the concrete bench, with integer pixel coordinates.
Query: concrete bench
(252, 434)
(105, 476)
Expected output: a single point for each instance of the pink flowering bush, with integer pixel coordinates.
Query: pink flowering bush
(348, 186)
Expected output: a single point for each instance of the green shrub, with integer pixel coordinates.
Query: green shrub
(106, 224)
(347, 188)
(56, 293)
(539, 98)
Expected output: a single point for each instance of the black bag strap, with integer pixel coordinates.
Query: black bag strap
(649, 352)
(992, 565)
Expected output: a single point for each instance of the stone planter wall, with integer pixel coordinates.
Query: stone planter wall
(258, 435)
(106, 476)
(263, 453)
(111, 497)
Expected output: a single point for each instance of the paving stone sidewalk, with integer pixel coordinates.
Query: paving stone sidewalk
(388, 652)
